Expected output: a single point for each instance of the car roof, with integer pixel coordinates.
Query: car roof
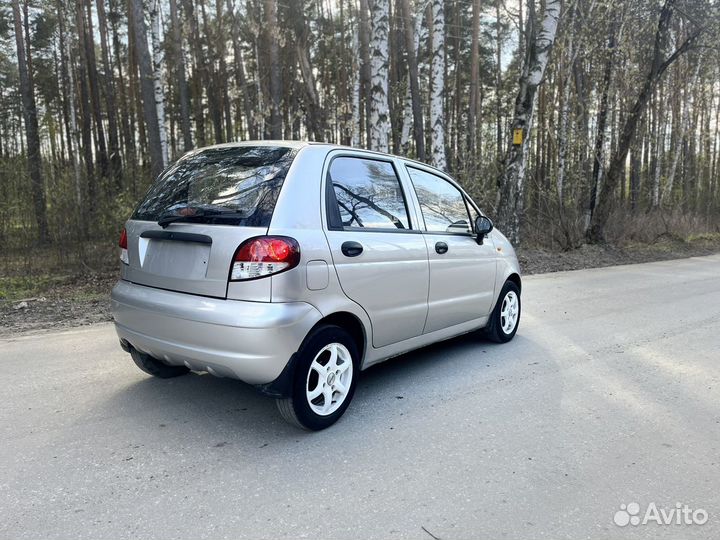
(328, 146)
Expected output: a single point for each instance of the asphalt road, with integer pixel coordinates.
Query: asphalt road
(609, 395)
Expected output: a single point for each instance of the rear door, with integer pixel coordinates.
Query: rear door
(377, 248)
(462, 272)
(184, 234)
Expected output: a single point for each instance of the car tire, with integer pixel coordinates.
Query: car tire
(156, 368)
(505, 318)
(324, 380)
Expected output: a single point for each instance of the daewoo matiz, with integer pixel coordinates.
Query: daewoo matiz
(294, 266)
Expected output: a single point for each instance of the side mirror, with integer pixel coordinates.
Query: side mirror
(483, 226)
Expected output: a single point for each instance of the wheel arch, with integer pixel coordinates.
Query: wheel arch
(515, 278)
(350, 322)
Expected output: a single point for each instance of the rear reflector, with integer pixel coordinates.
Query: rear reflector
(264, 256)
(123, 247)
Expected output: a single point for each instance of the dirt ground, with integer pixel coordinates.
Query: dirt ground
(35, 305)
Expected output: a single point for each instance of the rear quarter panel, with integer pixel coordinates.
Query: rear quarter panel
(298, 214)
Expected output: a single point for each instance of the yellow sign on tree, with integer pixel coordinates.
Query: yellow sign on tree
(517, 136)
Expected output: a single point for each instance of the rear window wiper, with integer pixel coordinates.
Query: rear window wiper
(202, 215)
(199, 213)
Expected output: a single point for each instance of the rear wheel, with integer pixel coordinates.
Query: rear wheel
(326, 372)
(156, 368)
(505, 318)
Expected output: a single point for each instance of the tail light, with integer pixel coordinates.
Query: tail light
(264, 256)
(123, 247)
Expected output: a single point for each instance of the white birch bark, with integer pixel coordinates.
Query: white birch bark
(511, 182)
(379, 107)
(407, 121)
(355, 140)
(437, 86)
(564, 114)
(158, 62)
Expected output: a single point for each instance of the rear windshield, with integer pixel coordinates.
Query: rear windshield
(235, 185)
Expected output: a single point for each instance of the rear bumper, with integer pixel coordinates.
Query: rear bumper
(250, 341)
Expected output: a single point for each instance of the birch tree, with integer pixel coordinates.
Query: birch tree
(355, 91)
(511, 181)
(149, 105)
(379, 107)
(158, 64)
(437, 86)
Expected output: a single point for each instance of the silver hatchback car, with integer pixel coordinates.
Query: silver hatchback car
(294, 266)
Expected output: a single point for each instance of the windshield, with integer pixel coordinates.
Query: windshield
(236, 185)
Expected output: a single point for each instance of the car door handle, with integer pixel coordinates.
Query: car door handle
(441, 248)
(351, 249)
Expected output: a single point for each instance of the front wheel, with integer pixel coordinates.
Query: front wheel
(326, 373)
(505, 318)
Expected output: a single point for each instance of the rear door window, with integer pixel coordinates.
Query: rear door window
(443, 205)
(230, 185)
(367, 194)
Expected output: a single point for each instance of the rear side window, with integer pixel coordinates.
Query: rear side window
(442, 204)
(368, 194)
(232, 185)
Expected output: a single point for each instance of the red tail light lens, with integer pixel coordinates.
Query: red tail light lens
(123, 247)
(264, 256)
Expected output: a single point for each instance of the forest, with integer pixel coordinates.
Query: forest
(569, 121)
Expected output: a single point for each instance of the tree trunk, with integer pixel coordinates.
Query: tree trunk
(684, 126)
(659, 148)
(183, 91)
(498, 81)
(411, 46)
(197, 73)
(379, 106)
(272, 36)
(365, 66)
(125, 104)
(511, 182)
(147, 87)
(473, 111)
(92, 74)
(85, 113)
(315, 114)
(222, 75)
(598, 149)
(109, 88)
(240, 79)
(158, 62)
(69, 110)
(437, 86)
(659, 65)
(27, 91)
(356, 127)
